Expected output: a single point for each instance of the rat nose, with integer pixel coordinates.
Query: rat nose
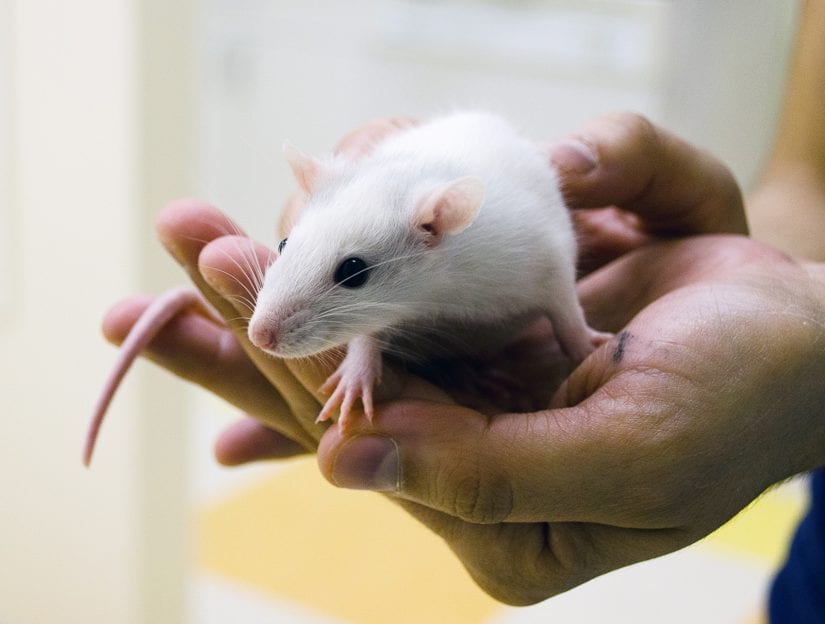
(262, 336)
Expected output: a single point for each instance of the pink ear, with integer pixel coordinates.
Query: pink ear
(451, 208)
(305, 168)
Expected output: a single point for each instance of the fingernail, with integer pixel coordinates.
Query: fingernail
(368, 462)
(573, 156)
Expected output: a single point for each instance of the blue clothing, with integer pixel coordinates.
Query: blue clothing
(798, 592)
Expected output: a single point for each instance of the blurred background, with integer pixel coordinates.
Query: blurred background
(111, 108)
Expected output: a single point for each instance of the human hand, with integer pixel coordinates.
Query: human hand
(710, 393)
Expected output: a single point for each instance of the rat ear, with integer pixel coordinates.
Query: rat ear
(451, 208)
(306, 169)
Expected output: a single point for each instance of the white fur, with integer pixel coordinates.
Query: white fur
(515, 260)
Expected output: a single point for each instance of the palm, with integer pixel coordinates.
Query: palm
(677, 331)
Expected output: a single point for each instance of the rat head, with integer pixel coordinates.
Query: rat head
(363, 255)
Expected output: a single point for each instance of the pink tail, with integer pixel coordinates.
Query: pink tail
(153, 319)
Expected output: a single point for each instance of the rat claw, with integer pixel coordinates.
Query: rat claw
(353, 379)
(330, 384)
(329, 407)
(345, 397)
(366, 400)
(346, 406)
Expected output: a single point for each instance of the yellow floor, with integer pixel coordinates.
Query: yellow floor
(297, 537)
(354, 556)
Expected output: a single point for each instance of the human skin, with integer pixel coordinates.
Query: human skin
(787, 207)
(710, 392)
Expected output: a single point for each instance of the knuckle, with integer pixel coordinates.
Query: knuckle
(482, 499)
(635, 126)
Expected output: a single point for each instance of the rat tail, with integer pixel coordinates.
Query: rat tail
(153, 319)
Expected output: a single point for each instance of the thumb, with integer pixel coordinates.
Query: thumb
(554, 465)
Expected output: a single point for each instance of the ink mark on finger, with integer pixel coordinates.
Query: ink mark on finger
(618, 352)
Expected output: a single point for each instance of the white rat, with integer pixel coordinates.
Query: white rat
(447, 239)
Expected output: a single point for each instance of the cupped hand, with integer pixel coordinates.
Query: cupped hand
(710, 392)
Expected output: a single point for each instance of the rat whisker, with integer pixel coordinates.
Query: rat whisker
(244, 320)
(244, 286)
(254, 271)
(245, 301)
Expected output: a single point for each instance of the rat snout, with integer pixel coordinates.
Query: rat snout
(262, 334)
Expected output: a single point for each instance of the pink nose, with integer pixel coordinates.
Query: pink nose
(262, 336)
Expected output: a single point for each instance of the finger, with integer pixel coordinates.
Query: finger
(614, 294)
(223, 263)
(196, 349)
(605, 234)
(185, 228)
(624, 160)
(361, 141)
(248, 440)
(290, 214)
(558, 465)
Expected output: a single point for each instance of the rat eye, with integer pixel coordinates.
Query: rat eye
(352, 273)
(281, 246)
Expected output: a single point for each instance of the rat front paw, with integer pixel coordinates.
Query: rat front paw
(355, 378)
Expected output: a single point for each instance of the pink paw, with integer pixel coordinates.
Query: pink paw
(351, 381)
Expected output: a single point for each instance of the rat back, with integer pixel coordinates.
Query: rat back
(521, 247)
(509, 261)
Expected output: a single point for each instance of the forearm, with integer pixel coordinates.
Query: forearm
(801, 132)
(787, 207)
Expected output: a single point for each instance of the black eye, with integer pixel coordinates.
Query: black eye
(281, 246)
(352, 273)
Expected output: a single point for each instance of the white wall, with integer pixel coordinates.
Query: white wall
(5, 156)
(271, 70)
(77, 545)
(67, 536)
